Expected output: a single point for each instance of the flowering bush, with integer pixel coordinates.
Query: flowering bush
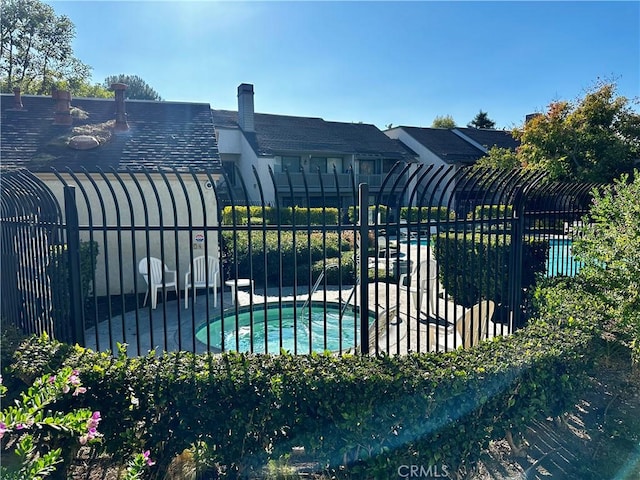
(27, 425)
(137, 465)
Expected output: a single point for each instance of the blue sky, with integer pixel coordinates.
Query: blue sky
(402, 63)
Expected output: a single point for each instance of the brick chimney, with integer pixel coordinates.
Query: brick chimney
(62, 114)
(245, 107)
(531, 116)
(121, 114)
(17, 99)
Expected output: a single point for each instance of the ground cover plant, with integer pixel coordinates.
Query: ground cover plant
(355, 416)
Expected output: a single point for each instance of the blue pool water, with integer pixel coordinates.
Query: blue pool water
(292, 335)
(561, 261)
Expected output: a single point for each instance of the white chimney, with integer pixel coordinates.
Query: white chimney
(245, 107)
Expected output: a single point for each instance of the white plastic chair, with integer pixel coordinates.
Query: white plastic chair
(421, 282)
(470, 327)
(386, 318)
(155, 279)
(203, 273)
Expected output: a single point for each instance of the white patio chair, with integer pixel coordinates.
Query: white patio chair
(385, 318)
(421, 282)
(470, 328)
(203, 273)
(155, 279)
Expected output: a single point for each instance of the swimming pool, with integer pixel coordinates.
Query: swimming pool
(560, 260)
(292, 333)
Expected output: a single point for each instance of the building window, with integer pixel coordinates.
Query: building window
(334, 162)
(230, 170)
(318, 163)
(367, 167)
(292, 164)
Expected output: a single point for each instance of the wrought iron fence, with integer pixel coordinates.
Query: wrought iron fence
(442, 257)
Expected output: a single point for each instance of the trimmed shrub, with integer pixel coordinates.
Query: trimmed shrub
(274, 253)
(279, 216)
(475, 266)
(491, 212)
(345, 275)
(425, 214)
(357, 416)
(58, 272)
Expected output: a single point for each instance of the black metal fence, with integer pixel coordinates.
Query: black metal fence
(173, 261)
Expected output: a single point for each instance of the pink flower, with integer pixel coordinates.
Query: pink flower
(147, 459)
(52, 379)
(78, 391)
(20, 426)
(3, 429)
(83, 440)
(66, 389)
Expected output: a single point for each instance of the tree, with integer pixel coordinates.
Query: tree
(608, 245)
(446, 121)
(596, 139)
(83, 88)
(481, 120)
(35, 48)
(138, 88)
(499, 158)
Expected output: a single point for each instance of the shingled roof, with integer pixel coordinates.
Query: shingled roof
(489, 137)
(445, 144)
(161, 135)
(454, 148)
(282, 134)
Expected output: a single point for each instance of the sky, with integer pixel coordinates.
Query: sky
(381, 62)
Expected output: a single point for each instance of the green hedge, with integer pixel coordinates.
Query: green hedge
(410, 214)
(279, 216)
(280, 253)
(357, 416)
(423, 214)
(383, 211)
(491, 212)
(58, 272)
(475, 266)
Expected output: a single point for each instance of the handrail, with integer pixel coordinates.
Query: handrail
(307, 302)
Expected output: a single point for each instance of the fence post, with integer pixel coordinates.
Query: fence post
(517, 246)
(73, 252)
(363, 219)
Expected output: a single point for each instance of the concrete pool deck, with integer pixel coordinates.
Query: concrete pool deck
(171, 326)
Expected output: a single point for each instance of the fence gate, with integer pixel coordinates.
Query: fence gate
(33, 268)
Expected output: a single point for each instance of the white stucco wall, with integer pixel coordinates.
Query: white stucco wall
(426, 157)
(177, 215)
(229, 140)
(233, 141)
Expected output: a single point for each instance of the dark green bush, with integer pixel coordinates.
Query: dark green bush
(58, 272)
(475, 266)
(281, 216)
(491, 212)
(280, 253)
(345, 275)
(381, 212)
(358, 416)
(423, 214)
